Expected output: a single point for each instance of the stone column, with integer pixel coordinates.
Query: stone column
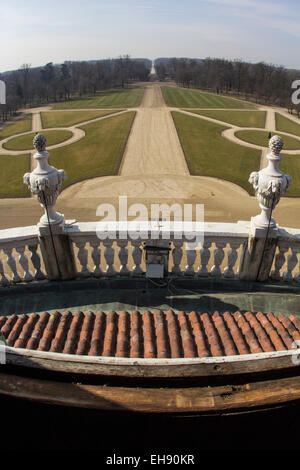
(44, 183)
(270, 184)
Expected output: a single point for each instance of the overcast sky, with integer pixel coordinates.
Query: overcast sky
(37, 32)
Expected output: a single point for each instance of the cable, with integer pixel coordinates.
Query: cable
(265, 242)
(52, 239)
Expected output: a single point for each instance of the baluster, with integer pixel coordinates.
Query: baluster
(123, 257)
(11, 262)
(23, 260)
(232, 257)
(191, 258)
(96, 257)
(3, 280)
(279, 261)
(291, 264)
(177, 256)
(297, 275)
(109, 255)
(36, 261)
(204, 259)
(137, 257)
(83, 258)
(218, 258)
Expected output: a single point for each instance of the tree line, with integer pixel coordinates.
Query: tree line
(27, 86)
(262, 83)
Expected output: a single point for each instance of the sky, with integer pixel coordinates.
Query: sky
(36, 32)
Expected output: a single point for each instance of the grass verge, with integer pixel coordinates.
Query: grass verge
(209, 154)
(284, 124)
(291, 166)
(237, 118)
(12, 169)
(99, 153)
(183, 98)
(261, 138)
(129, 98)
(70, 118)
(23, 125)
(25, 142)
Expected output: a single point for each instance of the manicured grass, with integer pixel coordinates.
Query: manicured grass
(261, 138)
(23, 125)
(69, 118)
(12, 169)
(237, 118)
(284, 124)
(129, 98)
(99, 153)
(291, 166)
(25, 142)
(183, 98)
(209, 154)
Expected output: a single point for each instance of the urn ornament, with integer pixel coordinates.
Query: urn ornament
(270, 184)
(45, 182)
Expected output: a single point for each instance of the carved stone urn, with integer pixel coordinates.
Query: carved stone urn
(270, 184)
(45, 182)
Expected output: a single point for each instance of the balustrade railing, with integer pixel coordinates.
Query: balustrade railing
(286, 265)
(20, 258)
(216, 257)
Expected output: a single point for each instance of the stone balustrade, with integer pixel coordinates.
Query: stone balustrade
(20, 258)
(216, 257)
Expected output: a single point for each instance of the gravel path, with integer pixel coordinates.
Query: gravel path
(154, 169)
(153, 146)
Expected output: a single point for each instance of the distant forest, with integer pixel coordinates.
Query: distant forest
(28, 86)
(262, 83)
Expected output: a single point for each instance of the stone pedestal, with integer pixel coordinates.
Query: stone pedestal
(58, 254)
(270, 184)
(45, 182)
(257, 258)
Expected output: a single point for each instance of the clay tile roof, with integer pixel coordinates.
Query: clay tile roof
(155, 334)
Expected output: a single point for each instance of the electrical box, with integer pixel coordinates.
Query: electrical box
(155, 270)
(157, 258)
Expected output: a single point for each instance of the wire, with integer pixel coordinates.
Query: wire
(52, 239)
(265, 242)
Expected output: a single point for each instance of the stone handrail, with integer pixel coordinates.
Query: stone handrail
(217, 235)
(18, 246)
(218, 256)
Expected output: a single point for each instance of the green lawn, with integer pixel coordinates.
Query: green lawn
(183, 98)
(290, 165)
(261, 138)
(25, 142)
(129, 98)
(209, 154)
(284, 124)
(99, 153)
(69, 118)
(237, 118)
(23, 125)
(12, 169)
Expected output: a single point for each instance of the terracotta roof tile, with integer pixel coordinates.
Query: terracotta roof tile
(260, 332)
(98, 335)
(149, 335)
(136, 343)
(26, 332)
(109, 344)
(152, 335)
(289, 327)
(212, 335)
(49, 332)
